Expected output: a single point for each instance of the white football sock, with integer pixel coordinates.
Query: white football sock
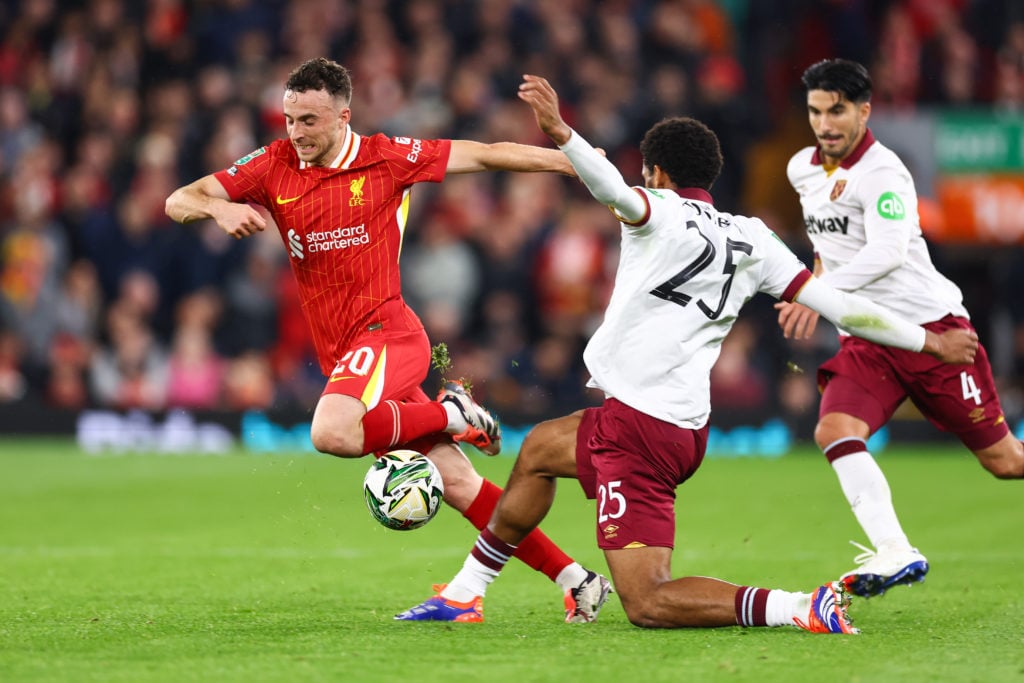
(456, 422)
(471, 581)
(869, 496)
(782, 606)
(570, 577)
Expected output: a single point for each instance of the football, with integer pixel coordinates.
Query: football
(403, 490)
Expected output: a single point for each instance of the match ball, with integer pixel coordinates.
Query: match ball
(403, 490)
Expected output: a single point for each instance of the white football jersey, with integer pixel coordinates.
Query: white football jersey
(684, 273)
(862, 220)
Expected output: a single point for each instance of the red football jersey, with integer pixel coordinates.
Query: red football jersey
(343, 227)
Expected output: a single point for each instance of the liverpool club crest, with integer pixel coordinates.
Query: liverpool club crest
(356, 188)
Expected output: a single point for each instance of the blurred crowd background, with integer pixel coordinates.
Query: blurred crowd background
(106, 106)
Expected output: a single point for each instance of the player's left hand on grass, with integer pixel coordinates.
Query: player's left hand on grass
(955, 346)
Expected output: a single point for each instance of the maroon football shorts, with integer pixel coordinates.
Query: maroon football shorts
(380, 368)
(870, 382)
(632, 463)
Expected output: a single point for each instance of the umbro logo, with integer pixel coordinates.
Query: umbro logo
(295, 244)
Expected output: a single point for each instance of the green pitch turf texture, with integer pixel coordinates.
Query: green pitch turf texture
(268, 568)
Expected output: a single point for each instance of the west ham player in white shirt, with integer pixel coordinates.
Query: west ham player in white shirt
(685, 271)
(860, 210)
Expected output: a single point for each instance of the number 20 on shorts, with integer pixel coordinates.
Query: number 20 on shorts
(357, 362)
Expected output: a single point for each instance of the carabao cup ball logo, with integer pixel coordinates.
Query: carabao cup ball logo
(891, 206)
(403, 490)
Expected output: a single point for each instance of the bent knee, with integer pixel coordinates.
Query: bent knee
(645, 618)
(549, 450)
(1003, 460)
(531, 455)
(334, 443)
(833, 427)
(1005, 468)
(642, 612)
(826, 434)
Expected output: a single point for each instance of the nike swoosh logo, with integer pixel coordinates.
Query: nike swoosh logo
(335, 378)
(280, 200)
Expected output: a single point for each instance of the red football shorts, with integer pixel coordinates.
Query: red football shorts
(380, 368)
(632, 463)
(870, 382)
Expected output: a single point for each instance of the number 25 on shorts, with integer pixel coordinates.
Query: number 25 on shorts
(611, 504)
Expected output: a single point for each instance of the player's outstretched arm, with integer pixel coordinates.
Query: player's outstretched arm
(207, 198)
(468, 156)
(600, 176)
(862, 318)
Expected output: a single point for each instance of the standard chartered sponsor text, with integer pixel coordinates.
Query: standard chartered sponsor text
(339, 238)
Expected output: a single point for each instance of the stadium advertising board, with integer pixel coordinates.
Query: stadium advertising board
(968, 167)
(180, 432)
(980, 177)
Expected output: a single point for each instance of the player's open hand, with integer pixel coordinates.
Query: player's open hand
(956, 346)
(543, 99)
(796, 320)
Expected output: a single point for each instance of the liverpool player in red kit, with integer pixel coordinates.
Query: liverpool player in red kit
(340, 201)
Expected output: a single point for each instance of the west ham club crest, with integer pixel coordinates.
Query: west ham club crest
(837, 190)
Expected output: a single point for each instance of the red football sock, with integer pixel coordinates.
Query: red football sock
(751, 606)
(536, 550)
(392, 423)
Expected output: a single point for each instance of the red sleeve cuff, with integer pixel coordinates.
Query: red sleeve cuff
(228, 182)
(796, 285)
(647, 210)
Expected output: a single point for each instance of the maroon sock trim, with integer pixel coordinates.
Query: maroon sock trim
(845, 447)
(751, 606)
(491, 551)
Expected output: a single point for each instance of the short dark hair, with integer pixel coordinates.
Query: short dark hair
(321, 73)
(848, 78)
(685, 149)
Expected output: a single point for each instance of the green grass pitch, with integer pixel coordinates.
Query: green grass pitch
(269, 568)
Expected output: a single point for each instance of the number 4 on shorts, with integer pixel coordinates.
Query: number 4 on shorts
(971, 390)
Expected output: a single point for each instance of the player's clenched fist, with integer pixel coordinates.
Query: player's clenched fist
(240, 220)
(957, 346)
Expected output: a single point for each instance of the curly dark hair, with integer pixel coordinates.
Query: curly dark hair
(848, 78)
(321, 74)
(685, 149)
